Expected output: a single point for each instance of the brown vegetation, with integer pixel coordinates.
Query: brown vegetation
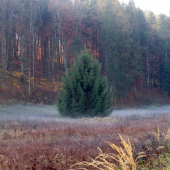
(45, 93)
(58, 145)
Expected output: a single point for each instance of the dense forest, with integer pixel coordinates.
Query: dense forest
(40, 39)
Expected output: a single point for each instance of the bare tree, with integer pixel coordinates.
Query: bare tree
(3, 58)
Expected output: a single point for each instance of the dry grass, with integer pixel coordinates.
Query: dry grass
(105, 161)
(124, 157)
(58, 145)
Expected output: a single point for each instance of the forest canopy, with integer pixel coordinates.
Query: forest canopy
(40, 39)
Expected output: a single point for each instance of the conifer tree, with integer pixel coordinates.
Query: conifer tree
(166, 76)
(133, 41)
(84, 92)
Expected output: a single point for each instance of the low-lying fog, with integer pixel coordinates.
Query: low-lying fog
(49, 113)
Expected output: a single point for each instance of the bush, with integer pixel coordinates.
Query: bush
(84, 92)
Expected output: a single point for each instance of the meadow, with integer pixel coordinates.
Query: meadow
(48, 141)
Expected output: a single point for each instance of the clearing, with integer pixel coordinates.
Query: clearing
(36, 137)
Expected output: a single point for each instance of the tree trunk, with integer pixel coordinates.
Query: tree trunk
(33, 59)
(53, 46)
(29, 75)
(48, 49)
(65, 55)
(2, 45)
(58, 64)
(21, 50)
(147, 64)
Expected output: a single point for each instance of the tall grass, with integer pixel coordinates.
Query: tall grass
(125, 159)
(104, 161)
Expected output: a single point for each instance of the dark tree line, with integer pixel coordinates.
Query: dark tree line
(41, 39)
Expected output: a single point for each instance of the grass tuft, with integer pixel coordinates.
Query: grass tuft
(153, 158)
(105, 161)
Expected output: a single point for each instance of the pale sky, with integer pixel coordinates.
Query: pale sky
(156, 6)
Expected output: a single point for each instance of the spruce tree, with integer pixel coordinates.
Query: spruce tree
(84, 92)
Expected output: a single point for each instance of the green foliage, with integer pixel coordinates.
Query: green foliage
(121, 46)
(166, 75)
(84, 92)
(22, 79)
(122, 82)
(26, 103)
(76, 44)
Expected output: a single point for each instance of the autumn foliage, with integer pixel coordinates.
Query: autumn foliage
(41, 39)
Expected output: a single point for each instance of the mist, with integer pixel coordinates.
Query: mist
(46, 113)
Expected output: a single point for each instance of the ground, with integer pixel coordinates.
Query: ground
(46, 93)
(37, 137)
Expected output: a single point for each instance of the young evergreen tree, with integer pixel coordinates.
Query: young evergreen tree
(84, 92)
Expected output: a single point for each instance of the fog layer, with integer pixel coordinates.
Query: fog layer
(49, 113)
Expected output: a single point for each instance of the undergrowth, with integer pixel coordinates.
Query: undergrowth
(86, 143)
(156, 156)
